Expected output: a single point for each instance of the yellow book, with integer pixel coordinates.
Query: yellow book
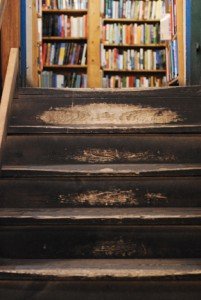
(61, 54)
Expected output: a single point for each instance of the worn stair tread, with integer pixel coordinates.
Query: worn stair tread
(127, 114)
(103, 170)
(46, 149)
(101, 269)
(97, 216)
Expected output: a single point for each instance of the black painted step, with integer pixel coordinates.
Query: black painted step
(108, 290)
(106, 115)
(110, 170)
(101, 216)
(110, 240)
(113, 93)
(101, 149)
(115, 270)
(63, 192)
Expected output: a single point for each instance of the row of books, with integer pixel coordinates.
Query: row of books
(133, 9)
(172, 60)
(69, 80)
(133, 81)
(65, 4)
(131, 34)
(130, 59)
(64, 26)
(64, 54)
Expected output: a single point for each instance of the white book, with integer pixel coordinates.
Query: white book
(83, 60)
(165, 28)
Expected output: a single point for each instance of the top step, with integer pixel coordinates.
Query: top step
(161, 110)
(114, 93)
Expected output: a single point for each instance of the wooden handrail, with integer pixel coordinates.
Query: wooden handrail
(7, 96)
(3, 4)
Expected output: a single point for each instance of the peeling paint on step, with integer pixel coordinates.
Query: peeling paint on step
(105, 113)
(109, 155)
(97, 198)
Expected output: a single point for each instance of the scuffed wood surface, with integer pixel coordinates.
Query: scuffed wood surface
(101, 216)
(135, 270)
(143, 115)
(124, 192)
(101, 149)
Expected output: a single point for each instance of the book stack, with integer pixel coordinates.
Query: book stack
(64, 4)
(65, 26)
(133, 9)
(130, 59)
(67, 80)
(131, 34)
(133, 81)
(64, 54)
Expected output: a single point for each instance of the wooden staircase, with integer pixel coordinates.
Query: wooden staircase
(101, 195)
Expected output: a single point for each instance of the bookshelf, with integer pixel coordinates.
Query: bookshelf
(124, 48)
(62, 43)
(132, 54)
(175, 44)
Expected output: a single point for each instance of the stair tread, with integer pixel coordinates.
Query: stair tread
(100, 269)
(123, 114)
(123, 216)
(73, 92)
(105, 169)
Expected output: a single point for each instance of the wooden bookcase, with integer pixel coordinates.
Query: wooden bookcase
(178, 36)
(95, 72)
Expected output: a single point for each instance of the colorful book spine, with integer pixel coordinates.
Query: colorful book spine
(64, 54)
(65, 4)
(130, 59)
(134, 9)
(133, 81)
(50, 79)
(65, 26)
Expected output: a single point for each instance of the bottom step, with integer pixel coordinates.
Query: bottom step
(100, 279)
(102, 269)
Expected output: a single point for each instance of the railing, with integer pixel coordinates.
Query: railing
(8, 88)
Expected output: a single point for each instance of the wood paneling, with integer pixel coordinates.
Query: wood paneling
(10, 33)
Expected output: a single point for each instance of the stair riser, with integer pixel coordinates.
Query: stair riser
(51, 290)
(101, 242)
(100, 192)
(102, 149)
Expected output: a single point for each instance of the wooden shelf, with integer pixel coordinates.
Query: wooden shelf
(65, 11)
(106, 20)
(58, 38)
(65, 67)
(134, 71)
(134, 45)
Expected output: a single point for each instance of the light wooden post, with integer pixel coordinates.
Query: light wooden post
(180, 37)
(35, 46)
(7, 96)
(93, 57)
